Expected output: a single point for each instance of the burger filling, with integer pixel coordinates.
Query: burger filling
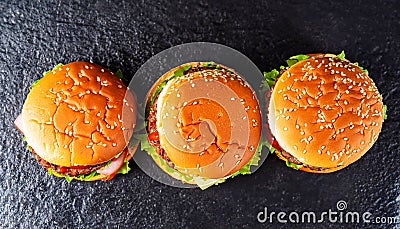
(153, 133)
(117, 165)
(70, 171)
(292, 161)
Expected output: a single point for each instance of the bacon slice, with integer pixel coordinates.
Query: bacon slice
(115, 165)
(18, 123)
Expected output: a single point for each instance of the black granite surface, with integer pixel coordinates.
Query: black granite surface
(36, 35)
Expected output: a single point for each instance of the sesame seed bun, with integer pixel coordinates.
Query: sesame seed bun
(218, 97)
(79, 114)
(325, 112)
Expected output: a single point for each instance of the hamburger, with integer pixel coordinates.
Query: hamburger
(324, 112)
(77, 121)
(203, 124)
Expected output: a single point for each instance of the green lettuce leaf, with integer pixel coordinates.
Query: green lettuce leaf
(270, 77)
(124, 169)
(119, 74)
(82, 177)
(208, 64)
(384, 112)
(363, 69)
(341, 55)
(288, 163)
(294, 59)
(293, 165)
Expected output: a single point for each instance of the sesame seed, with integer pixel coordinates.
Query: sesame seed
(346, 139)
(114, 144)
(104, 144)
(285, 128)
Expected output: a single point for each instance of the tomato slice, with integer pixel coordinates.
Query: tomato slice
(65, 169)
(276, 145)
(62, 169)
(154, 136)
(79, 167)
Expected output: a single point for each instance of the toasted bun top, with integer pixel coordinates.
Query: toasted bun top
(79, 114)
(208, 120)
(326, 111)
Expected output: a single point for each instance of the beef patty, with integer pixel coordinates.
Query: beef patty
(70, 171)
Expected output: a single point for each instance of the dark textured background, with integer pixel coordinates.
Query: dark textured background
(124, 34)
